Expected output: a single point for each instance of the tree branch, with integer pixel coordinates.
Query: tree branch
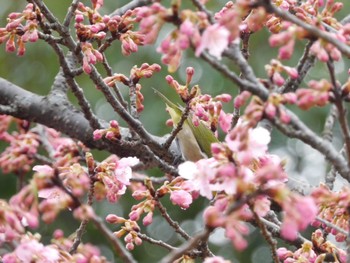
(57, 113)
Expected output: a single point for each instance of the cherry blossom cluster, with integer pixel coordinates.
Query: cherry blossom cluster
(31, 249)
(20, 154)
(56, 188)
(111, 133)
(241, 169)
(20, 29)
(333, 207)
(319, 13)
(318, 250)
(112, 176)
(242, 180)
(136, 73)
(130, 229)
(319, 93)
(119, 27)
(204, 108)
(274, 70)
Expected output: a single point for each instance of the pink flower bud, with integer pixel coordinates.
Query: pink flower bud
(130, 246)
(147, 220)
(114, 219)
(97, 135)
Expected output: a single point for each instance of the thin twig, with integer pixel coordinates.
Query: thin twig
(330, 225)
(192, 243)
(156, 242)
(267, 235)
(275, 230)
(327, 133)
(342, 116)
(82, 228)
(77, 91)
(133, 100)
(303, 133)
(175, 225)
(305, 63)
(130, 6)
(70, 13)
(201, 7)
(178, 127)
(115, 88)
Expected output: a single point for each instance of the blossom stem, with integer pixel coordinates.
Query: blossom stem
(156, 242)
(175, 225)
(266, 234)
(178, 127)
(342, 116)
(177, 253)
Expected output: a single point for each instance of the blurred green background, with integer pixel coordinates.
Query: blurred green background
(37, 69)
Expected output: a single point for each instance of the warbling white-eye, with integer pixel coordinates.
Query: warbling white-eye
(194, 141)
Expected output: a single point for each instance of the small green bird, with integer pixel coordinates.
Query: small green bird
(194, 141)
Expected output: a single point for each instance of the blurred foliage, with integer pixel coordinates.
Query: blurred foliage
(37, 69)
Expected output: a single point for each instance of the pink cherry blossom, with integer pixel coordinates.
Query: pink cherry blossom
(31, 250)
(181, 198)
(123, 171)
(216, 39)
(199, 174)
(299, 213)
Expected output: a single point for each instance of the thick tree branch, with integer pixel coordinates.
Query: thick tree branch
(56, 112)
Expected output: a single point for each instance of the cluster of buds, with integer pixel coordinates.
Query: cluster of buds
(233, 223)
(22, 26)
(286, 38)
(146, 206)
(318, 250)
(311, 11)
(209, 110)
(204, 108)
(145, 71)
(30, 249)
(65, 151)
(183, 90)
(317, 95)
(130, 41)
(85, 252)
(274, 23)
(20, 154)
(112, 133)
(136, 73)
(176, 42)
(272, 107)
(130, 230)
(11, 222)
(151, 18)
(333, 207)
(119, 27)
(188, 32)
(91, 56)
(274, 70)
(54, 198)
